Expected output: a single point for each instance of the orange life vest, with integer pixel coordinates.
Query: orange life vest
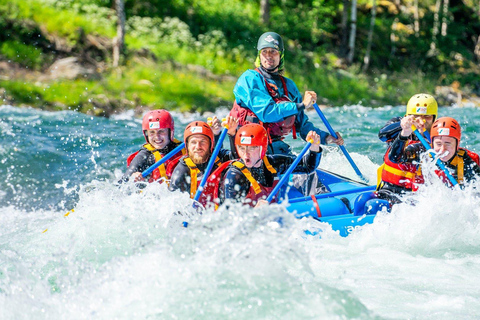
(277, 129)
(165, 170)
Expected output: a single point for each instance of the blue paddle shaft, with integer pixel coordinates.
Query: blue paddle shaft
(334, 134)
(218, 146)
(162, 161)
(289, 171)
(439, 163)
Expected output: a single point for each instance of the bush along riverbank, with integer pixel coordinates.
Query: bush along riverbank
(57, 56)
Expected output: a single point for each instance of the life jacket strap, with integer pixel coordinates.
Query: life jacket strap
(268, 165)
(398, 172)
(194, 171)
(158, 156)
(254, 183)
(178, 142)
(459, 164)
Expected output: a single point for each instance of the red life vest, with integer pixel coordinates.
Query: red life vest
(256, 191)
(458, 163)
(163, 171)
(405, 175)
(277, 129)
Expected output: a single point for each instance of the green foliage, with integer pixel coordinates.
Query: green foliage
(58, 20)
(25, 55)
(155, 86)
(218, 38)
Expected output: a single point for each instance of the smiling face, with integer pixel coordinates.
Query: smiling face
(445, 143)
(427, 119)
(198, 147)
(158, 138)
(269, 58)
(250, 155)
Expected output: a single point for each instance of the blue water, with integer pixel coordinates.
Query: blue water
(122, 254)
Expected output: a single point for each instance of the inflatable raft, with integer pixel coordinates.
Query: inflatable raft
(343, 203)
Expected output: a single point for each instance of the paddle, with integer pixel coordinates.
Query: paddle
(289, 171)
(162, 161)
(333, 134)
(218, 146)
(438, 162)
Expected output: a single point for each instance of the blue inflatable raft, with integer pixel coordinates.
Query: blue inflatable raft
(343, 203)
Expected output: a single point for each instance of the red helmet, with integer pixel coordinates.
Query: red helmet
(446, 126)
(199, 127)
(158, 119)
(252, 134)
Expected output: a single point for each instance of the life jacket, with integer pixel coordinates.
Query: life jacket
(276, 130)
(405, 175)
(164, 170)
(458, 163)
(256, 191)
(195, 179)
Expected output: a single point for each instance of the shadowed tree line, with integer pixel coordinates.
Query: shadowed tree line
(355, 50)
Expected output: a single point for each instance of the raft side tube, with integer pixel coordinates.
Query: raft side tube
(316, 209)
(346, 224)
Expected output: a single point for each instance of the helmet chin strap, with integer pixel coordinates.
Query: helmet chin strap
(256, 162)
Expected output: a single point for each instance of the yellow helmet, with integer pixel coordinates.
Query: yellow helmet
(422, 104)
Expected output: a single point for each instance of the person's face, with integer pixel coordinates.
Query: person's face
(444, 143)
(427, 119)
(198, 148)
(269, 58)
(158, 138)
(250, 155)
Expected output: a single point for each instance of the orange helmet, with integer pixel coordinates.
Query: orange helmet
(446, 126)
(158, 119)
(252, 134)
(199, 127)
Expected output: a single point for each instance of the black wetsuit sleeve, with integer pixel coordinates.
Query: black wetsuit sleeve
(225, 154)
(180, 178)
(233, 149)
(390, 130)
(309, 162)
(471, 170)
(234, 185)
(142, 161)
(400, 152)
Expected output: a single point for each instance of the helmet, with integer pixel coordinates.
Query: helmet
(270, 40)
(446, 126)
(158, 119)
(199, 127)
(252, 134)
(422, 104)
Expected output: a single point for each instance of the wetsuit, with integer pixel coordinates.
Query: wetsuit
(145, 159)
(390, 130)
(251, 93)
(235, 184)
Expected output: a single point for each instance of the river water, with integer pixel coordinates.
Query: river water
(122, 254)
